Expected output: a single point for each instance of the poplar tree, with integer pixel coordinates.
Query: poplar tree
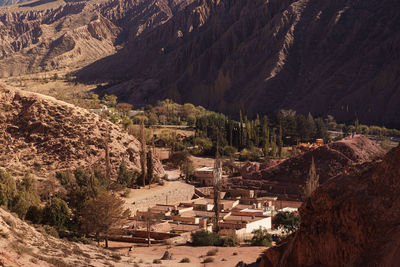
(312, 181)
(143, 159)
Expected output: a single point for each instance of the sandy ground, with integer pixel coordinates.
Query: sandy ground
(137, 195)
(144, 256)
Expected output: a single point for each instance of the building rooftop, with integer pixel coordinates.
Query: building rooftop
(205, 169)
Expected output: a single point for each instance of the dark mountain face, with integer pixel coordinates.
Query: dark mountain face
(324, 57)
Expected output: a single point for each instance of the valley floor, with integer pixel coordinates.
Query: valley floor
(144, 256)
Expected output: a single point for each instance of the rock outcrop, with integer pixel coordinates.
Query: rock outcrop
(351, 220)
(289, 176)
(43, 135)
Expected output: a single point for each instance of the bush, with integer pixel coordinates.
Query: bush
(212, 252)
(56, 213)
(34, 214)
(126, 192)
(205, 238)
(157, 261)
(261, 237)
(47, 229)
(185, 260)
(63, 177)
(230, 241)
(177, 159)
(127, 177)
(229, 151)
(253, 154)
(208, 260)
(287, 220)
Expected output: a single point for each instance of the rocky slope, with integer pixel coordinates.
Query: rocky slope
(351, 220)
(22, 245)
(326, 57)
(42, 135)
(43, 35)
(289, 176)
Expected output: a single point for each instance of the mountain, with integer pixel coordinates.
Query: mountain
(288, 177)
(9, 2)
(351, 220)
(43, 135)
(47, 35)
(324, 57)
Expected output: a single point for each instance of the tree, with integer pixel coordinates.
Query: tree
(312, 182)
(143, 160)
(107, 155)
(261, 237)
(124, 108)
(110, 100)
(286, 220)
(150, 167)
(8, 189)
(102, 213)
(127, 177)
(56, 213)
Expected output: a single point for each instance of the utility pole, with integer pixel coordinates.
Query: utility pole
(148, 227)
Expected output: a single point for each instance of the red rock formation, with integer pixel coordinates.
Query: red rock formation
(351, 220)
(289, 176)
(44, 135)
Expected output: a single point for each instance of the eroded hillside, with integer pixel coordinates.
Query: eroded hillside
(23, 245)
(38, 37)
(43, 135)
(289, 176)
(351, 220)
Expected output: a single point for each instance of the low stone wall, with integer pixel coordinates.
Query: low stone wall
(171, 195)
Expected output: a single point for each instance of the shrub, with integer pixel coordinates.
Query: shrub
(212, 252)
(127, 177)
(287, 220)
(47, 229)
(116, 256)
(126, 192)
(230, 241)
(229, 151)
(34, 214)
(261, 237)
(208, 260)
(185, 260)
(56, 213)
(205, 238)
(3, 235)
(253, 154)
(63, 177)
